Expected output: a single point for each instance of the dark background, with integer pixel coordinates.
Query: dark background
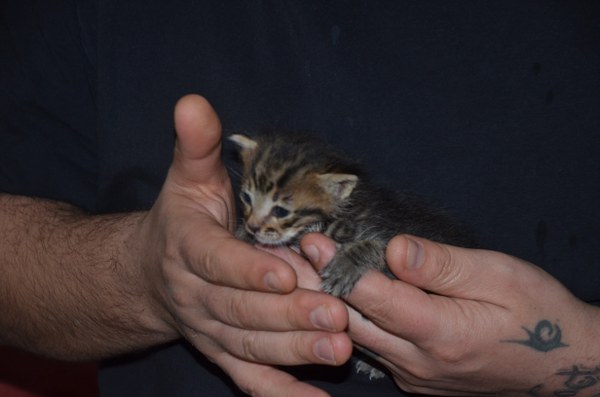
(489, 108)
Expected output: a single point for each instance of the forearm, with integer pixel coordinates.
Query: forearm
(70, 283)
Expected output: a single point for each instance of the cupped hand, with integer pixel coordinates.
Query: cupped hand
(236, 304)
(471, 322)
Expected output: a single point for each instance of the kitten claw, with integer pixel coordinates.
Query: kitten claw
(374, 373)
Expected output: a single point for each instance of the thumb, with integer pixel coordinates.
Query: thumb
(198, 148)
(443, 269)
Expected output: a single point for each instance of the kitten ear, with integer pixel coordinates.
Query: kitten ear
(243, 142)
(338, 186)
(246, 146)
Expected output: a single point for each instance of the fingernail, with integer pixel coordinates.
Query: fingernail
(321, 319)
(272, 282)
(312, 253)
(415, 256)
(324, 350)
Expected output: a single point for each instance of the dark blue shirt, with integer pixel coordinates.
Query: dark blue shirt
(490, 108)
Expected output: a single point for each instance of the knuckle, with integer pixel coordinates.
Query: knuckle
(249, 344)
(231, 307)
(448, 269)
(181, 298)
(297, 310)
(238, 309)
(301, 349)
(377, 310)
(204, 262)
(208, 266)
(176, 287)
(450, 355)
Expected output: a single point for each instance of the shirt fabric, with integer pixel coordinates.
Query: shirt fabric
(488, 108)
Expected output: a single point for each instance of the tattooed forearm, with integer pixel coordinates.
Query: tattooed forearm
(575, 380)
(545, 337)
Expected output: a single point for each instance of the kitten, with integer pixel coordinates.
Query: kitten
(293, 184)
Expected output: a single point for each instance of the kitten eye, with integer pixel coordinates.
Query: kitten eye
(279, 212)
(246, 198)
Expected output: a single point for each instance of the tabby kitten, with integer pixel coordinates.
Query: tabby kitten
(293, 184)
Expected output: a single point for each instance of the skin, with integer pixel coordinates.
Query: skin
(468, 322)
(80, 287)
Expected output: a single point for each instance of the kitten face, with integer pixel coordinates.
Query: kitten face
(283, 195)
(279, 216)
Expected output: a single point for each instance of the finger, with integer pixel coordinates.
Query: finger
(394, 306)
(387, 347)
(438, 284)
(285, 348)
(223, 260)
(277, 348)
(399, 308)
(446, 270)
(411, 367)
(265, 381)
(375, 300)
(319, 249)
(299, 310)
(391, 305)
(198, 148)
(239, 265)
(306, 275)
(367, 333)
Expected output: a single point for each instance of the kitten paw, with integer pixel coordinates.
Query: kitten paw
(339, 277)
(348, 265)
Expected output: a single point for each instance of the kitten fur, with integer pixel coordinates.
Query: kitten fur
(293, 184)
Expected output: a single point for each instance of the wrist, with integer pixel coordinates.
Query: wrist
(573, 367)
(136, 270)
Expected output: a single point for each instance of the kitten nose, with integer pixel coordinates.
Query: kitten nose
(252, 228)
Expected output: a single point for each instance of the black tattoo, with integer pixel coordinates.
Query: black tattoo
(545, 337)
(578, 378)
(536, 390)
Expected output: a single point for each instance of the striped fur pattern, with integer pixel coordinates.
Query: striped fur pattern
(293, 184)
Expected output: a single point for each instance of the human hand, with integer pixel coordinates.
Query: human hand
(471, 322)
(236, 304)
